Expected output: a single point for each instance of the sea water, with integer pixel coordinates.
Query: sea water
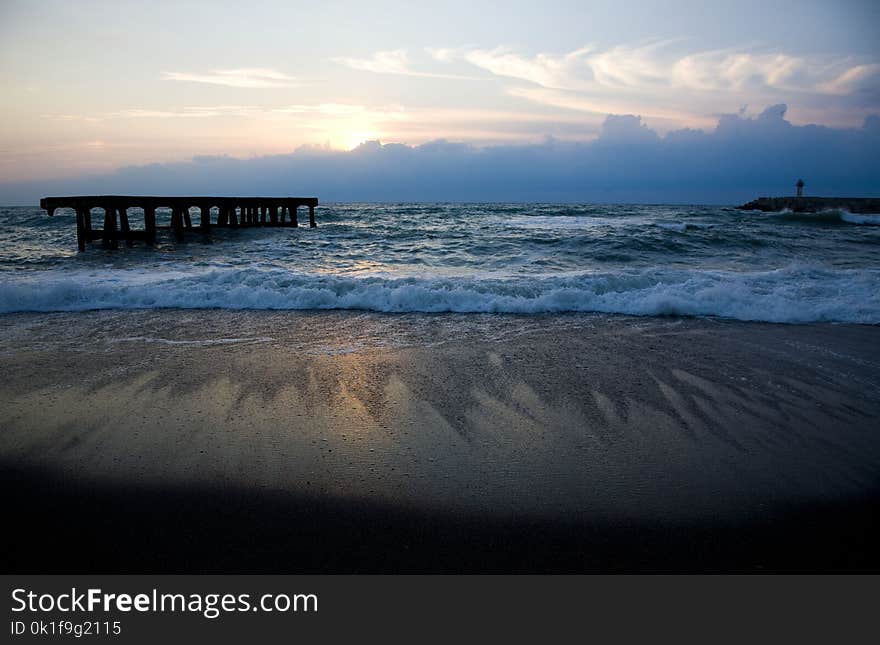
(651, 260)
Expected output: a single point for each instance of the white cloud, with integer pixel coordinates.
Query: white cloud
(664, 117)
(387, 62)
(341, 110)
(658, 65)
(392, 62)
(854, 79)
(443, 54)
(544, 69)
(246, 77)
(662, 80)
(197, 112)
(71, 117)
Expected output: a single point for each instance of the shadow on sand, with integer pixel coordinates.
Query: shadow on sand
(60, 524)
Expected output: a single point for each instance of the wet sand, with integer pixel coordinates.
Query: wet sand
(189, 441)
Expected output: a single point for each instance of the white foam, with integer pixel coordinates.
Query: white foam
(830, 215)
(798, 293)
(857, 218)
(564, 222)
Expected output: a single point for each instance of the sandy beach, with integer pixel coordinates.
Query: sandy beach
(187, 441)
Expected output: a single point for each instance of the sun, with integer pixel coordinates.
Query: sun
(351, 139)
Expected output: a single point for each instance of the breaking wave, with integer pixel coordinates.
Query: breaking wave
(830, 216)
(793, 294)
(856, 218)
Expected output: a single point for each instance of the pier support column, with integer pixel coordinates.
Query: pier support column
(80, 229)
(87, 223)
(187, 219)
(150, 224)
(233, 217)
(124, 226)
(205, 218)
(294, 215)
(177, 222)
(110, 237)
(312, 223)
(273, 215)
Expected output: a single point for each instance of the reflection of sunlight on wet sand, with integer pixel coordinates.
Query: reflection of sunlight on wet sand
(315, 434)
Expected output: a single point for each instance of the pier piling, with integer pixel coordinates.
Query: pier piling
(80, 229)
(124, 227)
(111, 238)
(150, 225)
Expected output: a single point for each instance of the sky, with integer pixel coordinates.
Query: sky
(621, 101)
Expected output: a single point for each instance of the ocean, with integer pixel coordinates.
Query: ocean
(646, 260)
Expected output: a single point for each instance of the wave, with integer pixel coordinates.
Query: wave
(857, 218)
(795, 294)
(681, 227)
(555, 222)
(829, 216)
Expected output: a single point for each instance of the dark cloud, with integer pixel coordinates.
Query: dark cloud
(740, 159)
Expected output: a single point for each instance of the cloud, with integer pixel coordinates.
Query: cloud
(190, 112)
(626, 128)
(248, 77)
(387, 62)
(600, 105)
(204, 111)
(660, 64)
(342, 110)
(71, 117)
(661, 78)
(391, 62)
(740, 158)
(569, 71)
(853, 79)
(343, 125)
(443, 54)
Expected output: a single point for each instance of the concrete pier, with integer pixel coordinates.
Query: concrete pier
(231, 212)
(814, 204)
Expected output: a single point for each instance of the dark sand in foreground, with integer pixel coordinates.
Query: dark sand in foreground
(190, 441)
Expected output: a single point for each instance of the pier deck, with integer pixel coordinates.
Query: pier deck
(233, 212)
